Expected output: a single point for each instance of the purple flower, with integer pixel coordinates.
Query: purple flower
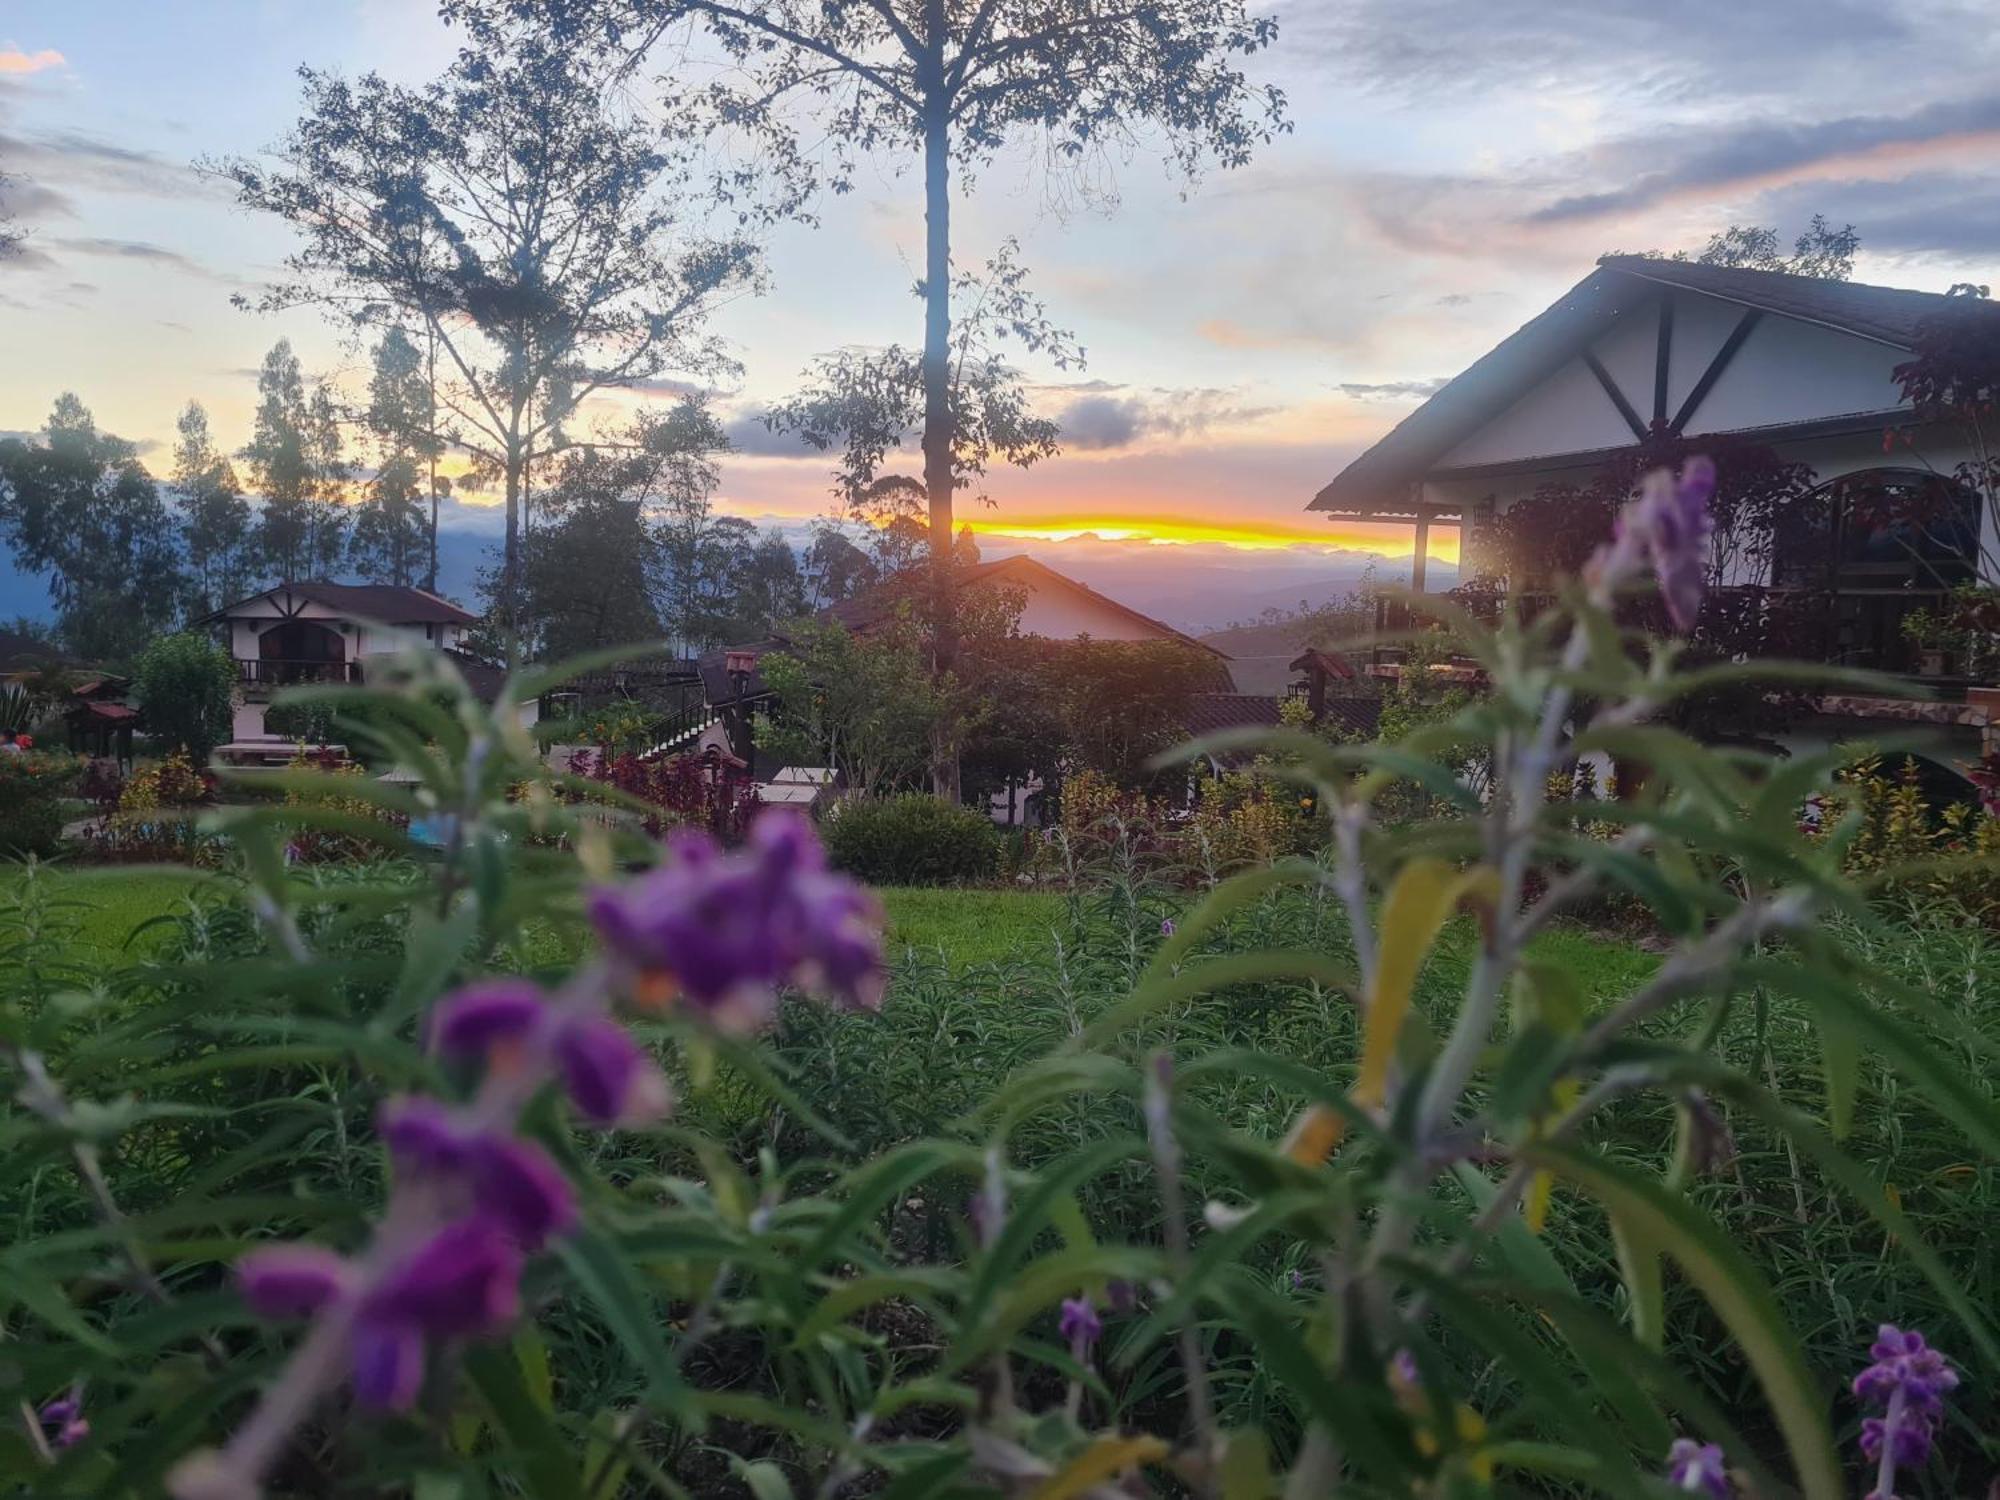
(1670, 520)
(422, 1135)
(388, 1363)
(1403, 1371)
(64, 1422)
(1904, 1364)
(729, 929)
(1909, 1380)
(520, 1186)
(1166, 927)
(290, 1281)
(1080, 1325)
(463, 1282)
(492, 1013)
(610, 1078)
(1697, 1468)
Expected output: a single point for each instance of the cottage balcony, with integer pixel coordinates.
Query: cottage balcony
(262, 675)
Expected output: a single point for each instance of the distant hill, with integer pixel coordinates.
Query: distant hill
(1260, 656)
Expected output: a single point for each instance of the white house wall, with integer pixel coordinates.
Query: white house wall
(1788, 371)
(1566, 413)
(1062, 614)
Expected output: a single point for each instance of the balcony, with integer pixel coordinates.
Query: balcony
(261, 675)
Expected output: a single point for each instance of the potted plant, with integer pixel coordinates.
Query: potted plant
(1933, 634)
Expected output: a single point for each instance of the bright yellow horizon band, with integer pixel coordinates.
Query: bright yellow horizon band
(1251, 535)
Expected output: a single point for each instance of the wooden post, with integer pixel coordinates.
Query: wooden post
(1419, 557)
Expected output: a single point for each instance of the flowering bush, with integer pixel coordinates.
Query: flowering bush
(452, 1210)
(33, 784)
(1891, 836)
(675, 791)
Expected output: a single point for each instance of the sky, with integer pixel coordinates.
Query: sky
(1453, 166)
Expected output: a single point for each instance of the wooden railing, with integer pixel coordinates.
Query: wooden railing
(275, 671)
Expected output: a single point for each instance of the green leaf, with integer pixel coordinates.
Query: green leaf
(879, 1183)
(607, 1278)
(1735, 1290)
(1639, 1264)
(544, 1464)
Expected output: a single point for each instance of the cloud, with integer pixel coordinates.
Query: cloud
(144, 251)
(1393, 390)
(1755, 151)
(1103, 422)
(14, 60)
(750, 437)
(1631, 49)
(1927, 215)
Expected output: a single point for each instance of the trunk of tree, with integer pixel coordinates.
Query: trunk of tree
(937, 383)
(510, 552)
(431, 445)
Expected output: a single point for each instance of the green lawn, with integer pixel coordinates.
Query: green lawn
(110, 905)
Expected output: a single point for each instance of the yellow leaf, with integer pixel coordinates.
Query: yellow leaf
(1426, 891)
(1102, 1460)
(1315, 1135)
(1535, 1206)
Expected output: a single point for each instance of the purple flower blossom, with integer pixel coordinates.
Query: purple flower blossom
(492, 1013)
(1166, 927)
(422, 1135)
(388, 1361)
(1908, 1380)
(729, 929)
(1403, 1371)
(1904, 1364)
(464, 1281)
(1698, 1468)
(1080, 1326)
(290, 1281)
(63, 1421)
(610, 1078)
(1670, 520)
(520, 1185)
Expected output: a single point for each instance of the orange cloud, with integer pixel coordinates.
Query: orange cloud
(14, 60)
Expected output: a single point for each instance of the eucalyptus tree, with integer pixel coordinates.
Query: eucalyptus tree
(391, 541)
(215, 518)
(510, 211)
(822, 84)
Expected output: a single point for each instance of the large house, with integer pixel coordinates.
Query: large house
(1645, 348)
(315, 631)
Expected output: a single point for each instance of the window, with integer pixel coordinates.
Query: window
(1900, 530)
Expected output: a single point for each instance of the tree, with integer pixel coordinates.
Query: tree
(865, 705)
(296, 460)
(770, 589)
(11, 233)
(1952, 379)
(824, 82)
(185, 684)
(390, 543)
(1821, 251)
(215, 518)
(526, 227)
(835, 569)
(80, 506)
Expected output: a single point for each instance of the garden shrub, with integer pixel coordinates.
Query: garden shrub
(1349, 1178)
(33, 784)
(677, 791)
(911, 839)
(1890, 833)
(185, 686)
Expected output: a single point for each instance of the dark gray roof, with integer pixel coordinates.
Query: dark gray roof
(24, 653)
(1380, 478)
(384, 603)
(1890, 314)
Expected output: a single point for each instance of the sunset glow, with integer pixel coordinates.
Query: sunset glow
(1391, 541)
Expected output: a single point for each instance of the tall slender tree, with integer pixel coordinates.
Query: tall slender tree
(527, 226)
(390, 540)
(215, 518)
(823, 83)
